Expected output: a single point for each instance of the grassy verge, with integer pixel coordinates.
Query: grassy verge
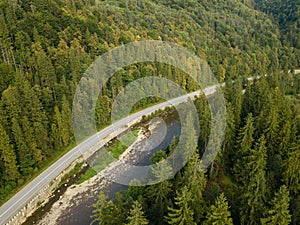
(118, 147)
(75, 170)
(115, 149)
(87, 175)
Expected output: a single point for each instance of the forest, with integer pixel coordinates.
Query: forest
(46, 46)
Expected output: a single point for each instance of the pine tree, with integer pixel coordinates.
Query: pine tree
(7, 75)
(230, 128)
(34, 112)
(279, 213)
(182, 214)
(204, 119)
(271, 124)
(105, 212)
(287, 133)
(261, 93)
(136, 215)
(6, 43)
(56, 129)
(236, 100)
(8, 157)
(291, 174)
(11, 106)
(195, 180)
(76, 52)
(219, 213)
(24, 157)
(45, 74)
(135, 189)
(66, 117)
(254, 184)
(34, 152)
(188, 146)
(160, 192)
(244, 144)
(103, 111)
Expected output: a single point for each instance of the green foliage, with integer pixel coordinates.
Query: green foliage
(105, 211)
(196, 183)
(292, 169)
(254, 185)
(182, 214)
(87, 175)
(279, 213)
(244, 145)
(219, 213)
(8, 157)
(136, 215)
(286, 13)
(45, 47)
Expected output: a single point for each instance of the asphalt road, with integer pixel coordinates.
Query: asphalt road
(18, 201)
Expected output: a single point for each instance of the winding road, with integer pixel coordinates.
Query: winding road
(13, 206)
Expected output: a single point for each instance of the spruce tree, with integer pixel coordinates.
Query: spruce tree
(279, 213)
(105, 212)
(195, 180)
(25, 160)
(56, 129)
(34, 152)
(254, 184)
(219, 213)
(230, 129)
(8, 157)
(66, 117)
(182, 214)
(244, 144)
(160, 192)
(33, 110)
(291, 173)
(236, 100)
(136, 215)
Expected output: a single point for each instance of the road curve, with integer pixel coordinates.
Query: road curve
(9, 209)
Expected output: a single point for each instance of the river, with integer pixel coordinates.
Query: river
(75, 206)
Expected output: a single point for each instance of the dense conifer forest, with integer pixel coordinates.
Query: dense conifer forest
(46, 45)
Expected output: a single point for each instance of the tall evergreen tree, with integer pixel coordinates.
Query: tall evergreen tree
(236, 100)
(182, 214)
(204, 119)
(8, 157)
(66, 117)
(219, 213)
(195, 180)
(270, 122)
(244, 145)
(160, 192)
(254, 184)
(279, 213)
(34, 152)
(35, 114)
(292, 168)
(45, 74)
(105, 212)
(230, 129)
(136, 215)
(56, 129)
(24, 157)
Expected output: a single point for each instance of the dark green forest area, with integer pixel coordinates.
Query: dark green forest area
(46, 46)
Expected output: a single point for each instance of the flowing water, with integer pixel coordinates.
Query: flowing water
(79, 209)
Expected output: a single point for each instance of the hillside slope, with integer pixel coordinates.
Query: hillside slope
(45, 46)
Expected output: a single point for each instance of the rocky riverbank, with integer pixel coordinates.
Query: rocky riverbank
(76, 193)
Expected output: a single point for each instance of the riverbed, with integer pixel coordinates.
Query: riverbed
(74, 205)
